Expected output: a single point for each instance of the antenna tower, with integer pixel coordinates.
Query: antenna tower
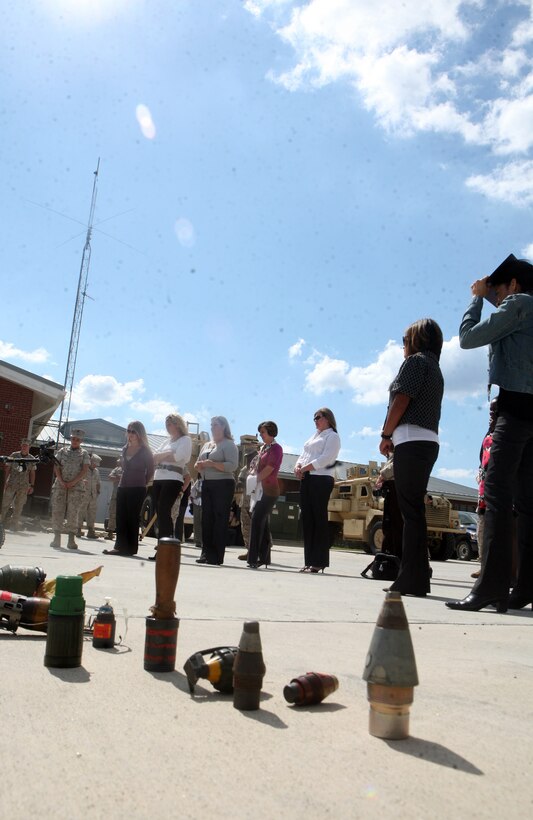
(78, 311)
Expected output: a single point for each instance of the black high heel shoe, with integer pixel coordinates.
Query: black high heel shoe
(317, 569)
(475, 602)
(517, 601)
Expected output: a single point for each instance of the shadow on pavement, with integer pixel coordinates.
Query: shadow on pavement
(77, 675)
(434, 752)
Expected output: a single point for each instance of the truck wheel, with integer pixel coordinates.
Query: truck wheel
(445, 549)
(375, 538)
(464, 550)
(147, 512)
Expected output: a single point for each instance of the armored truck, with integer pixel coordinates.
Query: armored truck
(355, 514)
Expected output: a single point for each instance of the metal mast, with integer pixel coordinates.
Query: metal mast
(78, 311)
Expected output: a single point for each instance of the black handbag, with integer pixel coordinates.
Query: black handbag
(384, 567)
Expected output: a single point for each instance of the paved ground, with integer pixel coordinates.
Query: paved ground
(110, 740)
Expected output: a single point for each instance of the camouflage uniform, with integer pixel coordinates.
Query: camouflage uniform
(91, 491)
(68, 502)
(114, 477)
(20, 479)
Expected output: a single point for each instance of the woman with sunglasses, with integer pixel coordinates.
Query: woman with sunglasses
(315, 469)
(137, 470)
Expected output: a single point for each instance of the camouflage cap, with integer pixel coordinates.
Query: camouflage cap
(96, 458)
(77, 432)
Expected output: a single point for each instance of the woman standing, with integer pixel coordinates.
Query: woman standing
(216, 464)
(267, 467)
(411, 430)
(170, 461)
(315, 469)
(137, 466)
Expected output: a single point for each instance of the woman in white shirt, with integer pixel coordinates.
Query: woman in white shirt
(316, 468)
(170, 460)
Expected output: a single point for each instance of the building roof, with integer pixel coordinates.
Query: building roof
(47, 395)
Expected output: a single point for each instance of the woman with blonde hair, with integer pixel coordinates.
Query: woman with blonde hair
(315, 469)
(170, 460)
(137, 470)
(216, 464)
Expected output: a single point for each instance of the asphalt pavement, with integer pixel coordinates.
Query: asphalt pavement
(110, 740)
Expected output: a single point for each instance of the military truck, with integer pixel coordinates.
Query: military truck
(356, 515)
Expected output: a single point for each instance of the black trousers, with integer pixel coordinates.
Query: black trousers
(164, 494)
(260, 539)
(217, 496)
(509, 481)
(392, 521)
(314, 496)
(413, 462)
(180, 518)
(129, 503)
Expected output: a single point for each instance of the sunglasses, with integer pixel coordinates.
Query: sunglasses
(132, 431)
(318, 416)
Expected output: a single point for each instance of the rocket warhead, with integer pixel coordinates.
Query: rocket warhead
(390, 671)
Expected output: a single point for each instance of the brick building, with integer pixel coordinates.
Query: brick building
(27, 402)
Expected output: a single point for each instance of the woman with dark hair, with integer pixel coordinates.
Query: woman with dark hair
(315, 470)
(216, 464)
(267, 469)
(411, 430)
(137, 470)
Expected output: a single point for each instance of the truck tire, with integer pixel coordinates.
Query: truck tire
(375, 537)
(463, 550)
(445, 549)
(147, 512)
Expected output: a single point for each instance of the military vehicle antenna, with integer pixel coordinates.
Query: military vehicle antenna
(78, 311)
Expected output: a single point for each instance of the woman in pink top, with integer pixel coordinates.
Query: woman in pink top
(267, 468)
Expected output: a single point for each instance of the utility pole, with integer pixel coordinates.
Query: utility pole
(78, 311)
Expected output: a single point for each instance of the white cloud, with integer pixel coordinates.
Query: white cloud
(453, 474)
(156, 408)
(369, 384)
(93, 392)
(509, 125)
(528, 251)
(399, 60)
(9, 351)
(465, 371)
(366, 432)
(511, 183)
(295, 350)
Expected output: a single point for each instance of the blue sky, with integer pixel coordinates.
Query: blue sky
(283, 188)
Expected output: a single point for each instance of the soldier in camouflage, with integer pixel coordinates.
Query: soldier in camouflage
(20, 479)
(91, 492)
(72, 464)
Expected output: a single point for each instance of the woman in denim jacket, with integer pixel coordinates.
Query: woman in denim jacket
(509, 479)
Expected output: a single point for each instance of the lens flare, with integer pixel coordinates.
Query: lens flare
(185, 232)
(146, 123)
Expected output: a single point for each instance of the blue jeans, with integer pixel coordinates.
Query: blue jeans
(509, 481)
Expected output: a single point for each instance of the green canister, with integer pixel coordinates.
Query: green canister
(64, 638)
